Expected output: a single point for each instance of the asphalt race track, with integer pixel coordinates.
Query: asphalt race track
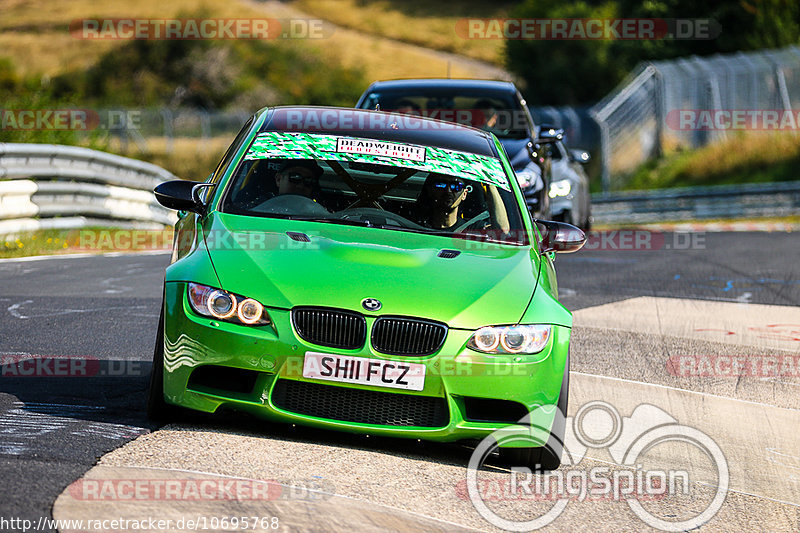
(646, 321)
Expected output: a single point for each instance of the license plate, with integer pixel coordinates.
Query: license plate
(378, 372)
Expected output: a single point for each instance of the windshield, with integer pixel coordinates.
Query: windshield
(498, 113)
(363, 182)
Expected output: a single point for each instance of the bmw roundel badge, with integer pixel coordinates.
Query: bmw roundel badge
(371, 304)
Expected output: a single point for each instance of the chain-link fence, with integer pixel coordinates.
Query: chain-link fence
(690, 102)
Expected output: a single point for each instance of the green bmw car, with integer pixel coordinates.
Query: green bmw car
(365, 272)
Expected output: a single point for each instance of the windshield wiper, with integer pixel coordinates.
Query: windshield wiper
(343, 221)
(361, 223)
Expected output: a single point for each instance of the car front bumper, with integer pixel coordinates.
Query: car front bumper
(456, 377)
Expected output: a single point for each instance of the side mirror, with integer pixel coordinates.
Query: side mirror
(560, 237)
(181, 195)
(550, 134)
(581, 156)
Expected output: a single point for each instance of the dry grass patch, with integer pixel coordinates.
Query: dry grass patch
(424, 23)
(34, 34)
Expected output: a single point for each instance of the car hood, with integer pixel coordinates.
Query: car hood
(341, 265)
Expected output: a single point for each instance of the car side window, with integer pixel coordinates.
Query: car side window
(226, 159)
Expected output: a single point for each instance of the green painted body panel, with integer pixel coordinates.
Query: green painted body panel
(191, 261)
(342, 265)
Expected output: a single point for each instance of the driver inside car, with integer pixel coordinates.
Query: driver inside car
(298, 186)
(438, 203)
(299, 176)
(441, 205)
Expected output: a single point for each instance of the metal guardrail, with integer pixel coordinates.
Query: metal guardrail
(698, 203)
(44, 186)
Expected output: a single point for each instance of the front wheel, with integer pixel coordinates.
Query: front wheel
(547, 457)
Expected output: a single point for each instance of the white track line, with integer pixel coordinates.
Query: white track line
(80, 255)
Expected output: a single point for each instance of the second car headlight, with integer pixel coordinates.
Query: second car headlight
(521, 339)
(224, 305)
(560, 188)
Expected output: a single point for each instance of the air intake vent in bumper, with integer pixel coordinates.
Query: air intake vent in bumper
(361, 406)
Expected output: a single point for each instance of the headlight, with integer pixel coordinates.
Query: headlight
(560, 188)
(223, 305)
(510, 339)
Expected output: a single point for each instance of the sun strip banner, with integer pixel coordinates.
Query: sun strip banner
(294, 145)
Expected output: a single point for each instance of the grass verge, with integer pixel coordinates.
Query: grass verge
(85, 240)
(743, 158)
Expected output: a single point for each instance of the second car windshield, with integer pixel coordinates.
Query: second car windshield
(375, 195)
(497, 113)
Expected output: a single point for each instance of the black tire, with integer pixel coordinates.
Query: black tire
(547, 457)
(157, 409)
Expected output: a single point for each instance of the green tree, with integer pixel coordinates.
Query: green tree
(582, 72)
